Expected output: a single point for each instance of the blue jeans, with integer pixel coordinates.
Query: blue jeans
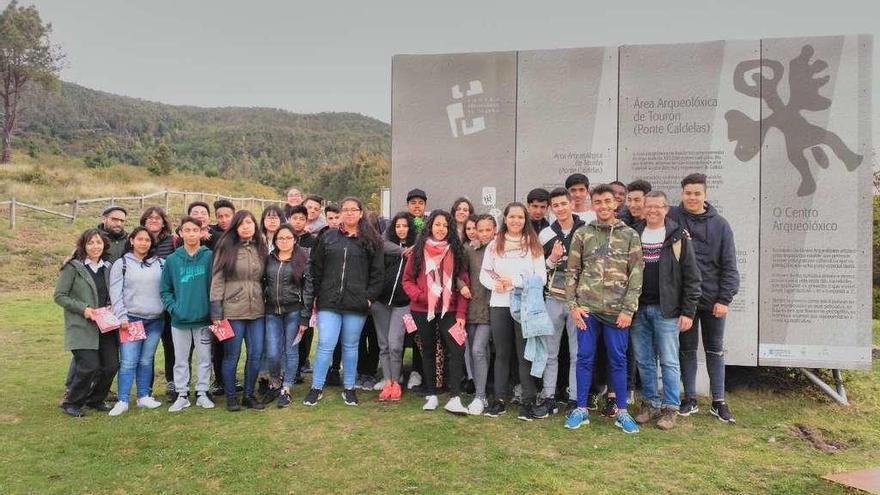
(253, 334)
(333, 326)
(281, 331)
(653, 336)
(136, 359)
(616, 341)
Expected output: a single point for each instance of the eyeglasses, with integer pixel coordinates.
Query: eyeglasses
(284, 238)
(350, 210)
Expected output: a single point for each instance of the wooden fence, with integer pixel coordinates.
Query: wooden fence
(172, 201)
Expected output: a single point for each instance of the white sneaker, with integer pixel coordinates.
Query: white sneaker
(204, 402)
(476, 407)
(430, 403)
(148, 402)
(415, 379)
(119, 409)
(179, 405)
(456, 407)
(379, 386)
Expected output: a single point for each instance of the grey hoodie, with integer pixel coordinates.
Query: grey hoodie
(137, 292)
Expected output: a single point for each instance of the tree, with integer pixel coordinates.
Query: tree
(161, 160)
(26, 57)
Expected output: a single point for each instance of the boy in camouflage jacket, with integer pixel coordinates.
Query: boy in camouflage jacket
(602, 288)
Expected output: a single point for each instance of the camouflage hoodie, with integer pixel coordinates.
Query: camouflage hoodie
(604, 274)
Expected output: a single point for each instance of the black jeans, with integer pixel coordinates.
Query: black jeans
(94, 371)
(508, 339)
(305, 346)
(428, 333)
(712, 330)
(368, 349)
(168, 350)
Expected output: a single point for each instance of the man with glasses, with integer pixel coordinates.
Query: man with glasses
(113, 226)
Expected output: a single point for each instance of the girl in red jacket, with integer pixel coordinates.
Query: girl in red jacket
(432, 278)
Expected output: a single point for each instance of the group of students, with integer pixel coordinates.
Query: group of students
(613, 284)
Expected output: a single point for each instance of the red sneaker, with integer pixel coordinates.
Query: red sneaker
(385, 394)
(396, 392)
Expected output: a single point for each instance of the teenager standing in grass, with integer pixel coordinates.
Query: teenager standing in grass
(134, 293)
(513, 255)
(716, 257)
(432, 275)
(602, 286)
(83, 287)
(184, 288)
(393, 304)
(347, 267)
(478, 330)
(156, 222)
(237, 295)
(288, 291)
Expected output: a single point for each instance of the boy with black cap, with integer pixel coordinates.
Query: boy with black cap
(416, 202)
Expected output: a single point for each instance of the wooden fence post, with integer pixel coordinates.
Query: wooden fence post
(142, 203)
(12, 213)
(75, 210)
(166, 199)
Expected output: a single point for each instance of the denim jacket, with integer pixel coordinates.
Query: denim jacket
(527, 307)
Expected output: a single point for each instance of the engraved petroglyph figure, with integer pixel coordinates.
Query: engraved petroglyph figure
(799, 134)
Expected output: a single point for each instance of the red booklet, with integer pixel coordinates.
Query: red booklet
(458, 333)
(409, 323)
(223, 331)
(134, 333)
(106, 320)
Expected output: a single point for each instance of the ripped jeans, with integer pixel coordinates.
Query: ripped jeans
(712, 330)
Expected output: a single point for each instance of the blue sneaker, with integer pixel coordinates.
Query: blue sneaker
(626, 423)
(576, 418)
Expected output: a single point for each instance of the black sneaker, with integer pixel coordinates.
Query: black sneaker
(610, 409)
(497, 408)
(551, 405)
(333, 378)
(592, 402)
(298, 379)
(468, 387)
(570, 406)
(232, 404)
(283, 400)
(270, 395)
(306, 367)
(688, 407)
(73, 411)
(543, 409)
(263, 387)
(170, 391)
(313, 397)
(252, 403)
(217, 389)
(349, 397)
(525, 412)
(720, 410)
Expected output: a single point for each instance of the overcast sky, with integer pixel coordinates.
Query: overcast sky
(336, 56)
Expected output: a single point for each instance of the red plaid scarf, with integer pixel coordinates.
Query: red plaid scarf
(438, 276)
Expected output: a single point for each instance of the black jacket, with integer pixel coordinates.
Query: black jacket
(306, 240)
(117, 243)
(345, 275)
(715, 251)
(287, 285)
(679, 274)
(392, 287)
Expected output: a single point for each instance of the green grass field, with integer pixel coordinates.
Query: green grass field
(399, 448)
